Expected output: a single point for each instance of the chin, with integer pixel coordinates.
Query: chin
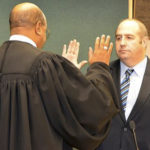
(122, 56)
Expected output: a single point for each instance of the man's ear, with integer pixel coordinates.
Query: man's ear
(38, 28)
(145, 41)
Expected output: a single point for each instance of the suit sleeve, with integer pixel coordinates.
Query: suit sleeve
(79, 108)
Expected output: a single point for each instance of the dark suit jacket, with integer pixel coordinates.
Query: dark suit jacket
(45, 101)
(120, 136)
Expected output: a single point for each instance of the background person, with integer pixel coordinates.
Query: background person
(131, 42)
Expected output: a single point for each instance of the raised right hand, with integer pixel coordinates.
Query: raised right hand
(102, 51)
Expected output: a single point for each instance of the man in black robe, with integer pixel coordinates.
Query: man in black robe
(45, 101)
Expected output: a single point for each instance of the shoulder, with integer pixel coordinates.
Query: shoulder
(148, 60)
(115, 67)
(50, 61)
(115, 63)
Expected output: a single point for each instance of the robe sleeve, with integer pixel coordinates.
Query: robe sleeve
(79, 107)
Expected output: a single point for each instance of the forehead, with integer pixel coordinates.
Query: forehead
(128, 28)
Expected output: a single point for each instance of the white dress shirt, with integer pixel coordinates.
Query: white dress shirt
(22, 38)
(136, 79)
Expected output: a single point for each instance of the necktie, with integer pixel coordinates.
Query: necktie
(124, 88)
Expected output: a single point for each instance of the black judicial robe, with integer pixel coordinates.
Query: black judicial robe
(45, 101)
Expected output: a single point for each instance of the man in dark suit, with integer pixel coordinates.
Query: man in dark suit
(131, 127)
(46, 103)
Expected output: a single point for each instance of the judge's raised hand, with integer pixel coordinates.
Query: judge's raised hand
(102, 51)
(72, 54)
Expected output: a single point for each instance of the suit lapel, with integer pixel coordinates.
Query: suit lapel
(115, 71)
(143, 94)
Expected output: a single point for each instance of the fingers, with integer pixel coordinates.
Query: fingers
(90, 54)
(97, 42)
(102, 43)
(70, 47)
(64, 51)
(107, 41)
(73, 47)
(72, 53)
(76, 50)
(82, 63)
(102, 51)
(110, 48)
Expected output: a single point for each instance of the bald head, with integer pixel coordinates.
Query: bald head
(142, 30)
(26, 15)
(28, 20)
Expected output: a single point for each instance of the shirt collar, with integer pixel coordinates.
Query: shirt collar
(139, 69)
(22, 38)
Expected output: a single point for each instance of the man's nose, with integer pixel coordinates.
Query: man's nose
(123, 41)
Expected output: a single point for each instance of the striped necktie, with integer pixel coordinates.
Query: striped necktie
(124, 88)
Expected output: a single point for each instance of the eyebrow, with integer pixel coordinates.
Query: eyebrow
(124, 35)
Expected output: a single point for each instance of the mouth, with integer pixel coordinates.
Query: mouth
(123, 50)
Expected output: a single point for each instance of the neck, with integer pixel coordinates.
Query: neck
(25, 32)
(132, 63)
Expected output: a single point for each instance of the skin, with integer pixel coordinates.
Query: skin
(26, 25)
(130, 43)
(72, 53)
(99, 54)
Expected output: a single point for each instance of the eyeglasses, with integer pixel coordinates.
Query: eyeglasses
(47, 33)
